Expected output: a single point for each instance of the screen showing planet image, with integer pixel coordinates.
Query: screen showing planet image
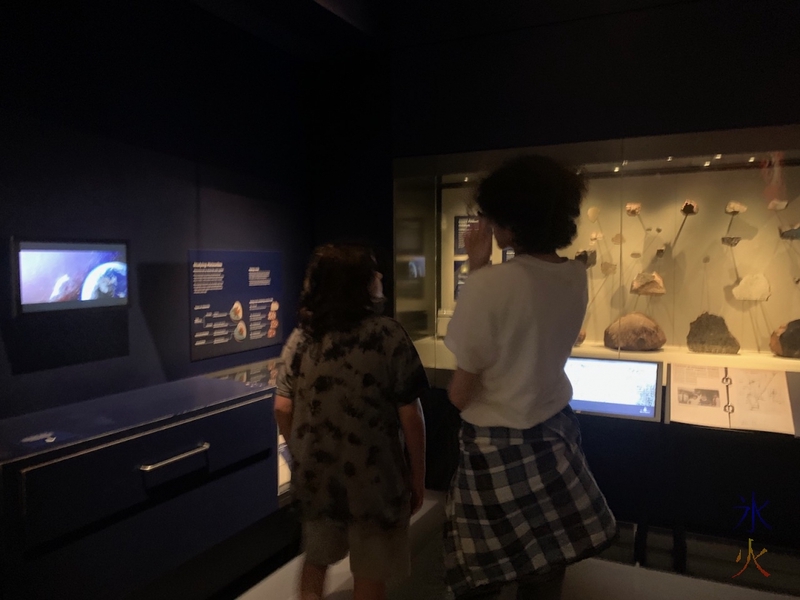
(59, 276)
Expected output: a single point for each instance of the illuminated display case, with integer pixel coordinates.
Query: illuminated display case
(698, 233)
(263, 373)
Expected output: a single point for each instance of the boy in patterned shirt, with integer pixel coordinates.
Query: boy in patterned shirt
(348, 406)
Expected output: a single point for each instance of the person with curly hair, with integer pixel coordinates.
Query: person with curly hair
(348, 406)
(523, 502)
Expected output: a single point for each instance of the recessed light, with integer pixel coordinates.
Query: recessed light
(718, 156)
(707, 163)
(616, 169)
(752, 159)
(669, 159)
(466, 179)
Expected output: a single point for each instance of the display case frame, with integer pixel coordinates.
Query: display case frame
(659, 173)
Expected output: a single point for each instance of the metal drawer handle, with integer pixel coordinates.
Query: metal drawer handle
(199, 450)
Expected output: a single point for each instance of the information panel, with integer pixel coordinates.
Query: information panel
(462, 226)
(235, 301)
(731, 398)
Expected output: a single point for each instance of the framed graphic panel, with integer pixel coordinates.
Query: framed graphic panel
(235, 301)
(462, 225)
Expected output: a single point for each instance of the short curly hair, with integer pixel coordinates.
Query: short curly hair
(335, 293)
(537, 199)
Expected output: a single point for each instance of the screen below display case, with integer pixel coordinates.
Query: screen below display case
(616, 388)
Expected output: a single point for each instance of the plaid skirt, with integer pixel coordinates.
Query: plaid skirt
(522, 503)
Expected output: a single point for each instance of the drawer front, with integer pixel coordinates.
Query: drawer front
(82, 489)
(114, 561)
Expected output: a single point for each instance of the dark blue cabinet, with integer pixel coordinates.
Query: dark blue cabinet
(101, 497)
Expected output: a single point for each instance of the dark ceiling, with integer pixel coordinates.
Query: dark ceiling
(307, 27)
(303, 28)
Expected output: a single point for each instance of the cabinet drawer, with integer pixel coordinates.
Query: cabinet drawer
(74, 491)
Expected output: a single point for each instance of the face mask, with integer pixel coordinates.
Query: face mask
(378, 304)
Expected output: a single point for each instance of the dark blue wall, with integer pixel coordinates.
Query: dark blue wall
(64, 183)
(642, 68)
(157, 123)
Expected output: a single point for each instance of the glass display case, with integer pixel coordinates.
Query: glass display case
(264, 373)
(691, 243)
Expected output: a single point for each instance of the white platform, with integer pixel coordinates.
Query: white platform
(435, 355)
(282, 584)
(592, 579)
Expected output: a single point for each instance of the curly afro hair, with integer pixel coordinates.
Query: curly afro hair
(537, 199)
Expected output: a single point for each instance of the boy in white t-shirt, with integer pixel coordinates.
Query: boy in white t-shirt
(524, 503)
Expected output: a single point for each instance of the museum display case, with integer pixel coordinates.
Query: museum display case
(264, 373)
(699, 235)
(107, 495)
(691, 244)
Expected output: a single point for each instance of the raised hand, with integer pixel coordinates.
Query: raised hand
(478, 241)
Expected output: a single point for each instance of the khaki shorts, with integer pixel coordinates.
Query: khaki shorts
(375, 553)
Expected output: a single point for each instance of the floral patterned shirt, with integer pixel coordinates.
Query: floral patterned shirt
(349, 458)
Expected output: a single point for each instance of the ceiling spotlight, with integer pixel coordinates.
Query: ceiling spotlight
(669, 159)
(718, 156)
(707, 163)
(752, 159)
(466, 179)
(616, 169)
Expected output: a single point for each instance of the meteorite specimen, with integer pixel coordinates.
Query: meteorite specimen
(790, 233)
(633, 209)
(777, 204)
(608, 268)
(735, 208)
(709, 333)
(635, 332)
(785, 340)
(753, 288)
(648, 284)
(587, 257)
(690, 208)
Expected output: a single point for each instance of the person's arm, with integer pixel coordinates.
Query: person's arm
(478, 241)
(283, 415)
(463, 388)
(471, 335)
(413, 424)
(285, 381)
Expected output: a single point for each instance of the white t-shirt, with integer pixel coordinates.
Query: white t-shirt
(515, 325)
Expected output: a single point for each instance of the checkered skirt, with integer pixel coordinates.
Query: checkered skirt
(522, 502)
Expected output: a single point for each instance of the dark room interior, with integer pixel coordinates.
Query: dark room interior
(236, 125)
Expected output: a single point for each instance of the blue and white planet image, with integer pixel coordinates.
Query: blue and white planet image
(108, 280)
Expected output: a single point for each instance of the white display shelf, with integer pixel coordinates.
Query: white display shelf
(435, 355)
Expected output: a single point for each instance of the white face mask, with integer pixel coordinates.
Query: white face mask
(376, 294)
(378, 305)
(376, 287)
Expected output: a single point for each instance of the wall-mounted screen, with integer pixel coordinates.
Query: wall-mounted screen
(616, 388)
(70, 275)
